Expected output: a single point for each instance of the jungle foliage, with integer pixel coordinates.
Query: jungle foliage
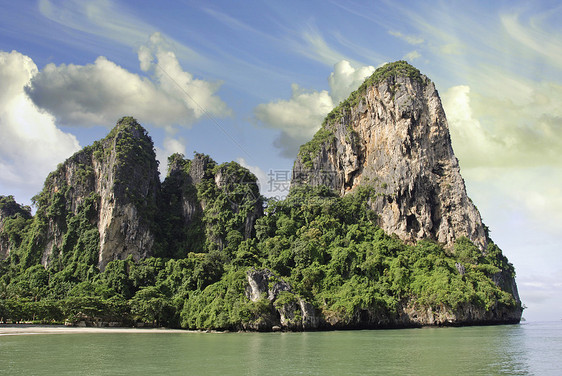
(211, 226)
(326, 247)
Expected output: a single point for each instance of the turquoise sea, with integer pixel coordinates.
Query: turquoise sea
(525, 349)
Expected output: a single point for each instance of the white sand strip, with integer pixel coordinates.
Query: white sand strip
(23, 329)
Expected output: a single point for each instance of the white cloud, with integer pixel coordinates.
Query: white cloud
(411, 39)
(471, 143)
(411, 56)
(102, 92)
(510, 148)
(495, 128)
(175, 82)
(301, 116)
(298, 118)
(31, 145)
(345, 79)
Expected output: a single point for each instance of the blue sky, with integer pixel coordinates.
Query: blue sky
(252, 80)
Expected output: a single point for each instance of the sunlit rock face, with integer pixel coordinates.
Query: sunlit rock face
(114, 184)
(392, 135)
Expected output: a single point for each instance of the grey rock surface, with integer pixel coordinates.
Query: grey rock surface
(396, 140)
(126, 184)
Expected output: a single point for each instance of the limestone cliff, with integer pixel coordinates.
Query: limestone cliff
(114, 184)
(208, 206)
(197, 250)
(291, 312)
(13, 218)
(106, 203)
(392, 135)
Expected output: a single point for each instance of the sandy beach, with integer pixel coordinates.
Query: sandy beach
(29, 329)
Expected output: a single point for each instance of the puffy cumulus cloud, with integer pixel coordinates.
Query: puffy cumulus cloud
(345, 79)
(495, 128)
(197, 95)
(509, 146)
(100, 93)
(31, 145)
(300, 117)
(472, 144)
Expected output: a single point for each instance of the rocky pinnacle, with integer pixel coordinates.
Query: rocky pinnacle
(392, 135)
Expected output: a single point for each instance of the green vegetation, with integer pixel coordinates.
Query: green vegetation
(326, 247)
(211, 228)
(14, 221)
(222, 224)
(310, 150)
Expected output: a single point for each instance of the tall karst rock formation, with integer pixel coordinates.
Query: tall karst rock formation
(106, 202)
(106, 193)
(392, 135)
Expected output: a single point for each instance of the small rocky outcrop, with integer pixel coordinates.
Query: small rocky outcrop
(392, 135)
(288, 311)
(413, 314)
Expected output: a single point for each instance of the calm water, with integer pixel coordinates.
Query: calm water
(526, 349)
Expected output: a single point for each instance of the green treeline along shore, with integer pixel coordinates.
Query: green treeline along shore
(111, 245)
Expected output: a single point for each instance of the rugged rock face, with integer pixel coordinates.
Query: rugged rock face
(179, 196)
(118, 177)
(289, 311)
(106, 202)
(196, 191)
(388, 142)
(13, 217)
(467, 314)
(391, 138)
(392, 135)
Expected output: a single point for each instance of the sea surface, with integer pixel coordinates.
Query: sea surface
(525, 349)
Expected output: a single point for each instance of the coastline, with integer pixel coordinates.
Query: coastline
(33, 329)
(37, 329)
